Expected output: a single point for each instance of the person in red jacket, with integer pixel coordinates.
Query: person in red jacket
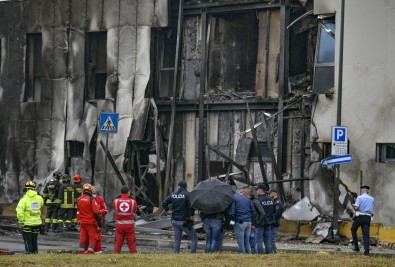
(125, 209)
(103, 212)
(88, 215)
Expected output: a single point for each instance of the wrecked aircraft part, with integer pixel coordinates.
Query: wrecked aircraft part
(320, 232)
(321, 193)
(303, 210)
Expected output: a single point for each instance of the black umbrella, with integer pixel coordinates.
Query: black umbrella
(211, 196)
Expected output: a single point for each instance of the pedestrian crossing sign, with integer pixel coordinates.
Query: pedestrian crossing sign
(108, 122)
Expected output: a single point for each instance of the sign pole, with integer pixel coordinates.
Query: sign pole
(335, 224)
(105, 167)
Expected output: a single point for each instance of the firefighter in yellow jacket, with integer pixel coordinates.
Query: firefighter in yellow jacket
(28, 213)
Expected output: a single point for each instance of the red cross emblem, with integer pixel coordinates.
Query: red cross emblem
(124, 207)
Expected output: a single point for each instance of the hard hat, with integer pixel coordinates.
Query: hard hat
(77, 178)
(66, 178)
(87, 187)
(57, 175)
(30, 185)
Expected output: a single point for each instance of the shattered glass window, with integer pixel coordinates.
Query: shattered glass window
(32, 92)
(96, 65)
(324, 67)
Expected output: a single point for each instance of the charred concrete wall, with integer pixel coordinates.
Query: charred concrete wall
(38, 129)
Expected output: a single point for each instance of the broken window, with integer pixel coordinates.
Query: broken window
(95, 65)
(32, 92)
(385, 152)
(233, 50)
(324, 67)
(166, 62)
(75, 149)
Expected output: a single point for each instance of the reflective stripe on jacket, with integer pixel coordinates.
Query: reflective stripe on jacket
(28, 210)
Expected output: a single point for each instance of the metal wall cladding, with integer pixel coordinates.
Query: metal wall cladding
(121, 137)
(89, 126)
(128, 13)
(161, 14)
(46, 13)
(61, 13)
(110, 14)
(75, 98)
(94, 19)
(57, 145)
(15, 57)
(28, 111)
(146, 12)
(43, 147)
(28, 150)
(61, 52)
(127, 48)
(112, 51)
(59, 99)
(47, 62)
(46, 91)
(31, 16)
(78, 18)
(76, 53)
(124, 102)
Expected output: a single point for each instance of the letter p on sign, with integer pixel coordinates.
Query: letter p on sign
(339, 134)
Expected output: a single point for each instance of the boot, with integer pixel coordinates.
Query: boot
(47, 227)
(55, 228)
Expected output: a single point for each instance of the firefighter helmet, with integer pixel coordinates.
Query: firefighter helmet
(77, 179)
(87, 187)
(30, 185)
(66, 178)
(57, 175)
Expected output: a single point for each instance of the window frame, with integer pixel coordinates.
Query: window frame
(328, 66)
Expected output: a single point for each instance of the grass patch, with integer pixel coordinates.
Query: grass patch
(280, 259)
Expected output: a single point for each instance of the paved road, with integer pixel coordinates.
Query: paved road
(68, 241)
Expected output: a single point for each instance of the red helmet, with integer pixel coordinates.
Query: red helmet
(77, 179)
(87, 187)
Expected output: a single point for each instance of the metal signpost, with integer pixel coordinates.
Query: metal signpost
(108, 124)
(339, 156)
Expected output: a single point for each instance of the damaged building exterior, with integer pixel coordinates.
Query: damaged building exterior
(241, 90)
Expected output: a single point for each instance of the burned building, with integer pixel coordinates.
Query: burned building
(232, 89)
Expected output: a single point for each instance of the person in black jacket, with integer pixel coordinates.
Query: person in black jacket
(265, 230)
(258, 220)
(181, 215)
(279, 208)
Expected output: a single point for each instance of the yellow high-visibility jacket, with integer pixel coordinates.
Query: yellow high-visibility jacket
(28, 210)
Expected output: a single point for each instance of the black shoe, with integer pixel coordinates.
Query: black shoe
(355, 249)
(366, 253)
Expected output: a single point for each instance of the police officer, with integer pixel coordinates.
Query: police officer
(264, 231)
(28, 212)
(181, 215)
(67, 196)
(77, 193)
(363, 215)
(279, 209)
(51, 200)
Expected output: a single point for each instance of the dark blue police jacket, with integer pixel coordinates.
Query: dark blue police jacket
(180, 204)
(269, 208)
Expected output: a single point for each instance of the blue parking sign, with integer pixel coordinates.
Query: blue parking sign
(339, 134)
(108, 122)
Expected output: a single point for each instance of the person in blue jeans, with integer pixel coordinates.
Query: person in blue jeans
(257, 221)
(181, 216)
(242, 213)
(279, 208)
(212, 225)
(264, 230)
